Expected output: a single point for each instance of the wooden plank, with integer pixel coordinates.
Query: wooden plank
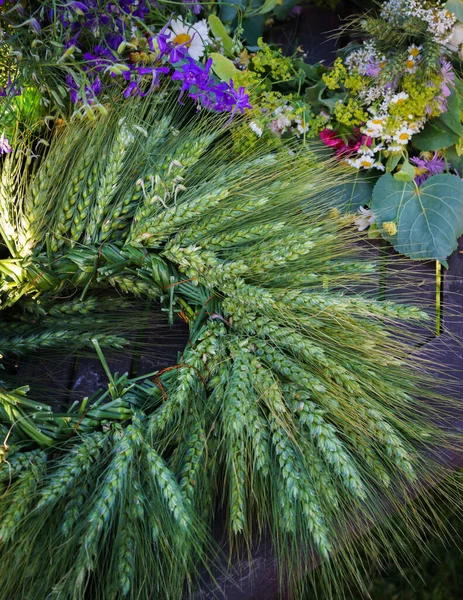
(49, 376)
(256, 580)
(89, 375)
(163, 346)
(453, 293)
(312, 29)
(412, 282)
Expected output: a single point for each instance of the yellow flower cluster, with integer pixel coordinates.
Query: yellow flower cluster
(350, 113)
(335, 78)
(422, 98)
(355, 82)
(271, 61)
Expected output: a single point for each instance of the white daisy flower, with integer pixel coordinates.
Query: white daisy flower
(403, 136)
(301, 125)
(371, 133)
(376, 123)
(395, 149)
(194, 37)
(365, 218)
(399, 98)
(353, 162)
(415, 51)
(410, 64)
(364, 161)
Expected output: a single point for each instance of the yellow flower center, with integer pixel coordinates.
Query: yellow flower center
(182, 38)
(410, 64)
(404, 136)
(415, 52)
(400, 100)
(366, 163)
(377, 121)
(382, 64)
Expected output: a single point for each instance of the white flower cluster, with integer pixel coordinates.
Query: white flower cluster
(282, 120)
(365, 56)
(366, 159)
(385, 132)
(287, 120)
(438, 19)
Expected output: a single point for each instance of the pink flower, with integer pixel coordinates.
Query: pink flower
(330, 139)
(343, 148)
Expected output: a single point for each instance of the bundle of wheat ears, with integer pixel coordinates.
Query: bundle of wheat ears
(295, 407)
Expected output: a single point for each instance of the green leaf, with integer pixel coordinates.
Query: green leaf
(223, 67)
(393, 161)
(454, 158)
(253, 29)
(219, 31)
(229, 10)
(452, 116)
(406, 173)
(443, 131)
(429, 218)
(456, 7)
(314, 93)
(267, 6)
(354, 194)
(435, 136)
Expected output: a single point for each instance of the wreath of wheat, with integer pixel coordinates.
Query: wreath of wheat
(294, 405)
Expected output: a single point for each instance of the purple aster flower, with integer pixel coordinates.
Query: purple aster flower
(73, 41)
(114, 40)
(372, 69)
(5, 147)
(428, 167)
(240, 100)
(10, 89)
(448, 77)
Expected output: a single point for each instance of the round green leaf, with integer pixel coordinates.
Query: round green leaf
(429, 218)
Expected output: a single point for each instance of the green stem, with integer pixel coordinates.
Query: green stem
(382, 270)
(105, 366)
(7, 243)
(438, 298)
